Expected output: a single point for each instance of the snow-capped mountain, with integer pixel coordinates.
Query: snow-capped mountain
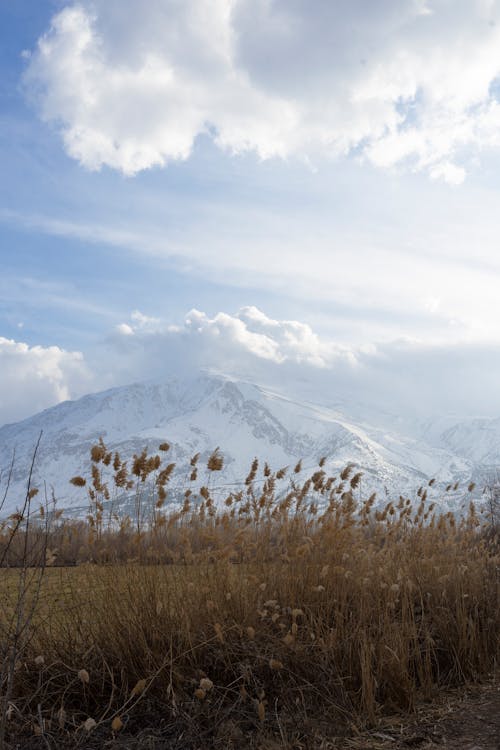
(244, 421)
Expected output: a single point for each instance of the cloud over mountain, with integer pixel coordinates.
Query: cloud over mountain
(405, 376)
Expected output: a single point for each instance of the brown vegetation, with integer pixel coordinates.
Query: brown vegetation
(288, 610)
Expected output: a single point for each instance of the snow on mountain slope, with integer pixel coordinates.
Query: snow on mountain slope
(244, 420)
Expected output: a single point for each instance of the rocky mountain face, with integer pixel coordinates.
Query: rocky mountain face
(244, 421)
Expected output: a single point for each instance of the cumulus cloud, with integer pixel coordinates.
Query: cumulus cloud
(403, 377)
(405, 82)
(33, 378)
(247, 339)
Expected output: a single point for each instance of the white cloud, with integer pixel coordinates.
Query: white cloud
(125, 329)
(233, 331)
(33, 378)
(404, 377)
(250, 335)
(144, 321)
(131, 85)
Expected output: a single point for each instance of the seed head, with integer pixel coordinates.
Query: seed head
(139, 687)
(78, 481)
(215, 461)
(116, 724)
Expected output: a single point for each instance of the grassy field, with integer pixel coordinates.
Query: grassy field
(278, 617)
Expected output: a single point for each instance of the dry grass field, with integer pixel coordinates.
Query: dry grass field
(290, 613)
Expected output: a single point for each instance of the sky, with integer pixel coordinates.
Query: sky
(288, 191)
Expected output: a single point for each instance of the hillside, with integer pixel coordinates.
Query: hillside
(244, 421)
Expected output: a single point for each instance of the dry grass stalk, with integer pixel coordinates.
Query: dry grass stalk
(290, 590)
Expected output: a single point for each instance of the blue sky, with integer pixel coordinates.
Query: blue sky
(331, 165)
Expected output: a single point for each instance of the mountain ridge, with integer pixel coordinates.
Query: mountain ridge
(244, 420)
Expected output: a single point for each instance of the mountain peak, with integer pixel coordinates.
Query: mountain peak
(205, 410)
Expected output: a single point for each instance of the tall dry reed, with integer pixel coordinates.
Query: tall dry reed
(285, 603)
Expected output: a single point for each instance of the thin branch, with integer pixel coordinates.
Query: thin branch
(9, 477)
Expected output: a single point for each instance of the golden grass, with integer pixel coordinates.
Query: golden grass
(287, 604)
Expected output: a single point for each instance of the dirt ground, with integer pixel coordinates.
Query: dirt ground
(470, 721)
